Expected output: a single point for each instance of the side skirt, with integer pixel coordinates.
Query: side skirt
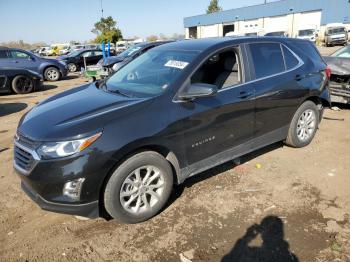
(240, 150)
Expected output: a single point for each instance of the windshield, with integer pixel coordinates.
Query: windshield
(306, 32)
(334, 31)
(74, 53)
(130, 51)
(342, 52)
(151, 73)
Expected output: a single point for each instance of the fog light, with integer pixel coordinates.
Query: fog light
(72, 189)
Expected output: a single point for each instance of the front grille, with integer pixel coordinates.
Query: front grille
(26, 141)
(23, 158)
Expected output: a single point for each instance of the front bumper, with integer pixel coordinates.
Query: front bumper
(45, 180)
(90, 210)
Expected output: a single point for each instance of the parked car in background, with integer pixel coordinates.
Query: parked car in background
(308, 34)
(277, 34)
(75, 60)
(339, 63)
(50, 69)
(120, 145)
(92, 46)
(114, 63)
(77, 48)
(65, 50)
(19, 81)
(43, 51)
(336, 34)
(121, 47)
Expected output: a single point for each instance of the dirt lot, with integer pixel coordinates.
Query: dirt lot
(300, 197)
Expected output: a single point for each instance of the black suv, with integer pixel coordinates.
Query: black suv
(118, 146)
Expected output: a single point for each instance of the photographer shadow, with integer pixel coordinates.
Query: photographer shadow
(273, 248)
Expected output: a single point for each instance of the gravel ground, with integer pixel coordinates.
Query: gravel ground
(277, 203)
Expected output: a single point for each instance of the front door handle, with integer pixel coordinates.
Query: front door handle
(298, 77)
(244, 94)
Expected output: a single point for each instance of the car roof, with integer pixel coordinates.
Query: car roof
(206, 43)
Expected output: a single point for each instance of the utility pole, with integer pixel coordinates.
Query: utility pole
(101, 9)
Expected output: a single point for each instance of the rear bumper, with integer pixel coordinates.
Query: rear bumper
(340, 93)
(90, 210)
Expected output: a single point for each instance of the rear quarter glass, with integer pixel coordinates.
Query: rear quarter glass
(308, 51)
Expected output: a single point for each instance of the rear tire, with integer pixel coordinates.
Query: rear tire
(128, 197)
(52, 74)
(22, 84)
(304, 125)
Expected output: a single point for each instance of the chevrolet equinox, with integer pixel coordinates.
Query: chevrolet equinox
(117, 147)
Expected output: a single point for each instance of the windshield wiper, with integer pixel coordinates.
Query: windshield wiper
(117, 91)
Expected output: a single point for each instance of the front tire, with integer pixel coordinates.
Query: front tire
(72, 67)
(52, 74)
(22, 84)
(139, 188)
(304, 125)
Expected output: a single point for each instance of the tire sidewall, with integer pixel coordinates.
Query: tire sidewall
(15, 82)
(52, 68)
(308, 105)
(76, 67)
(115, 182)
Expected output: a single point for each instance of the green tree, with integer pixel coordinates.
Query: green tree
(214, 7)
(152, 38)
(106, 30)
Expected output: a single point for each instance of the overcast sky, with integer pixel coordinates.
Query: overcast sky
(65, 20)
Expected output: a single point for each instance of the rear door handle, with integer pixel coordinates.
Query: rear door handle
(245, 94)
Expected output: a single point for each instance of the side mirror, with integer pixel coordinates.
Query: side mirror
(198, 90)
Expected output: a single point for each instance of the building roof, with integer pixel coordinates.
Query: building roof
(332, 11)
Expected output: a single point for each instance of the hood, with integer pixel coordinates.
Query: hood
(62, 57)
(338, 65)
(76, 112)
(111, 60)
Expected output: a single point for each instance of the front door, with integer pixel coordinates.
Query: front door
(216, 124)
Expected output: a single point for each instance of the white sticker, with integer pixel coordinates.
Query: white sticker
(176, 64)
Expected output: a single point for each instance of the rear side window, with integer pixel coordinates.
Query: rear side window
(309, 50)
(3, 54)
(291, 60)
(267, 59)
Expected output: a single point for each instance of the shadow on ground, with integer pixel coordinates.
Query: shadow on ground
(47, 87)
(178, 190)
(10, 108)
(273, 248)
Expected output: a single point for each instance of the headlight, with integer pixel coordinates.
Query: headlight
(66, 148)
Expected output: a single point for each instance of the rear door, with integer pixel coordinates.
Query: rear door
(276, 75)
(5, 60)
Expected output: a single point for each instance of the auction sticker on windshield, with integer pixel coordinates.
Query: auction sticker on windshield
(176, 64)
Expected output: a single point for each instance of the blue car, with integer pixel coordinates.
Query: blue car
(50, 69)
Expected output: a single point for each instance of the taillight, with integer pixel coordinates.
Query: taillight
(328, 72)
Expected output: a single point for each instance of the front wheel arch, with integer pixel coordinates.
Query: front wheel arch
(165, 152)
(46, 67)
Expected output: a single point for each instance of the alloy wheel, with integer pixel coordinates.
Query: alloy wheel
(306, 125)
(142, 189)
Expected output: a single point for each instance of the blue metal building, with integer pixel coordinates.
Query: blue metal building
(330, 11)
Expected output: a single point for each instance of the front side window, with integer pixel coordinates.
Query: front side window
(267, 59)
(222, 70)
(88, 54)
(151, 73)
(19, 54)
(98, 53)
